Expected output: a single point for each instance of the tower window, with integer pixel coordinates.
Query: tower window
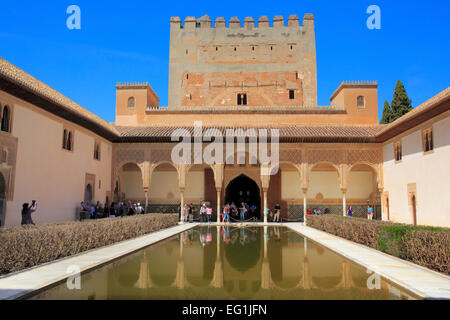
(271, 48)
(217, 48)
(131, 102)
(235, 49)
(242, 99)
(428, 144)
(187, 52)
(291, 94)
(361, 102)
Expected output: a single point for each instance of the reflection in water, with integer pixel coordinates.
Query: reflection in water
(231, 263)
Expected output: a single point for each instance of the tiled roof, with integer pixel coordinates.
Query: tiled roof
(20, 78)
(286, 133)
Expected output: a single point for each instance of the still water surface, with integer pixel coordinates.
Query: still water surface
(231, 263)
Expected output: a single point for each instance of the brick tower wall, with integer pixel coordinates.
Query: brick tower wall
(209, 66)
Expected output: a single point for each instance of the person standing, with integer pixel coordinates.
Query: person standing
(27, 211)
(112, 211)
(203, 213)
(242, 210)
(226, 213)
(369, 212)
(350, 212)
(185, 213)
(276, 217)
(209, 213)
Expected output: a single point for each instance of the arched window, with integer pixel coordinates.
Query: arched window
(69, 142)
(5, 119)
(97, 151)
(131, 103)
(64, 145)
(241, 99)
(361, 102)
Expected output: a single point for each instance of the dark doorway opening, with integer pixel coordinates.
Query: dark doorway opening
(244, 189)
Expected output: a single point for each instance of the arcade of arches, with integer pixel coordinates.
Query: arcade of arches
(331, 176)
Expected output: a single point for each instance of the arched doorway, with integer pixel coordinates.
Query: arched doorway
(2, 200)
(244, 189)
(88, 194)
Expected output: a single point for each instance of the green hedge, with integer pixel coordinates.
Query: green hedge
(25, 247)
(425, 246)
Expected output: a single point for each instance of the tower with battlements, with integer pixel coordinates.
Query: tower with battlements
(268, 64)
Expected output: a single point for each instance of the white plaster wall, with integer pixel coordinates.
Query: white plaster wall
(165, 182)
(325, 182)
(47, 173)
(291, 185)
(162, 183)
(131, 185)
(430, 172)
(360, 184)
(195, 186)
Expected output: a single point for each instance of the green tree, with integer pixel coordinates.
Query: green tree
(401, 104)
(387, 114)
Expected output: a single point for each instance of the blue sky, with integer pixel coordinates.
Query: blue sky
(126, 41)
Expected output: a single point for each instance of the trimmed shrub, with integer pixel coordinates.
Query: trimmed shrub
(28, 246)
(425, 246)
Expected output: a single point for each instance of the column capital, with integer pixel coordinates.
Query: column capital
(344, 190)
(305, 190)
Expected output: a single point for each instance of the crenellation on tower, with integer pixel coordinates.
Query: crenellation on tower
(220, 22)
(278, 21)
(293, 21)
(249, 22)
(234, 23)
(259, 53)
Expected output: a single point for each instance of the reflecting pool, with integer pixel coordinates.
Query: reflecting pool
(231, 263)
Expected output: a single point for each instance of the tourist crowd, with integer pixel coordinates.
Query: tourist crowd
(119, 209)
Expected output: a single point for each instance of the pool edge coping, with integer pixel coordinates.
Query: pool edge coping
(160, 235)
(120, 249)
(415, 289)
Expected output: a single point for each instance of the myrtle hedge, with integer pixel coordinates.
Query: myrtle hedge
(425, 246)
(29, 246)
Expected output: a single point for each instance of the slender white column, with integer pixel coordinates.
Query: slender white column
(265, 206)
(344, 203)
(218, 206)
(182, 205)
(304, 204)
(146, 200)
